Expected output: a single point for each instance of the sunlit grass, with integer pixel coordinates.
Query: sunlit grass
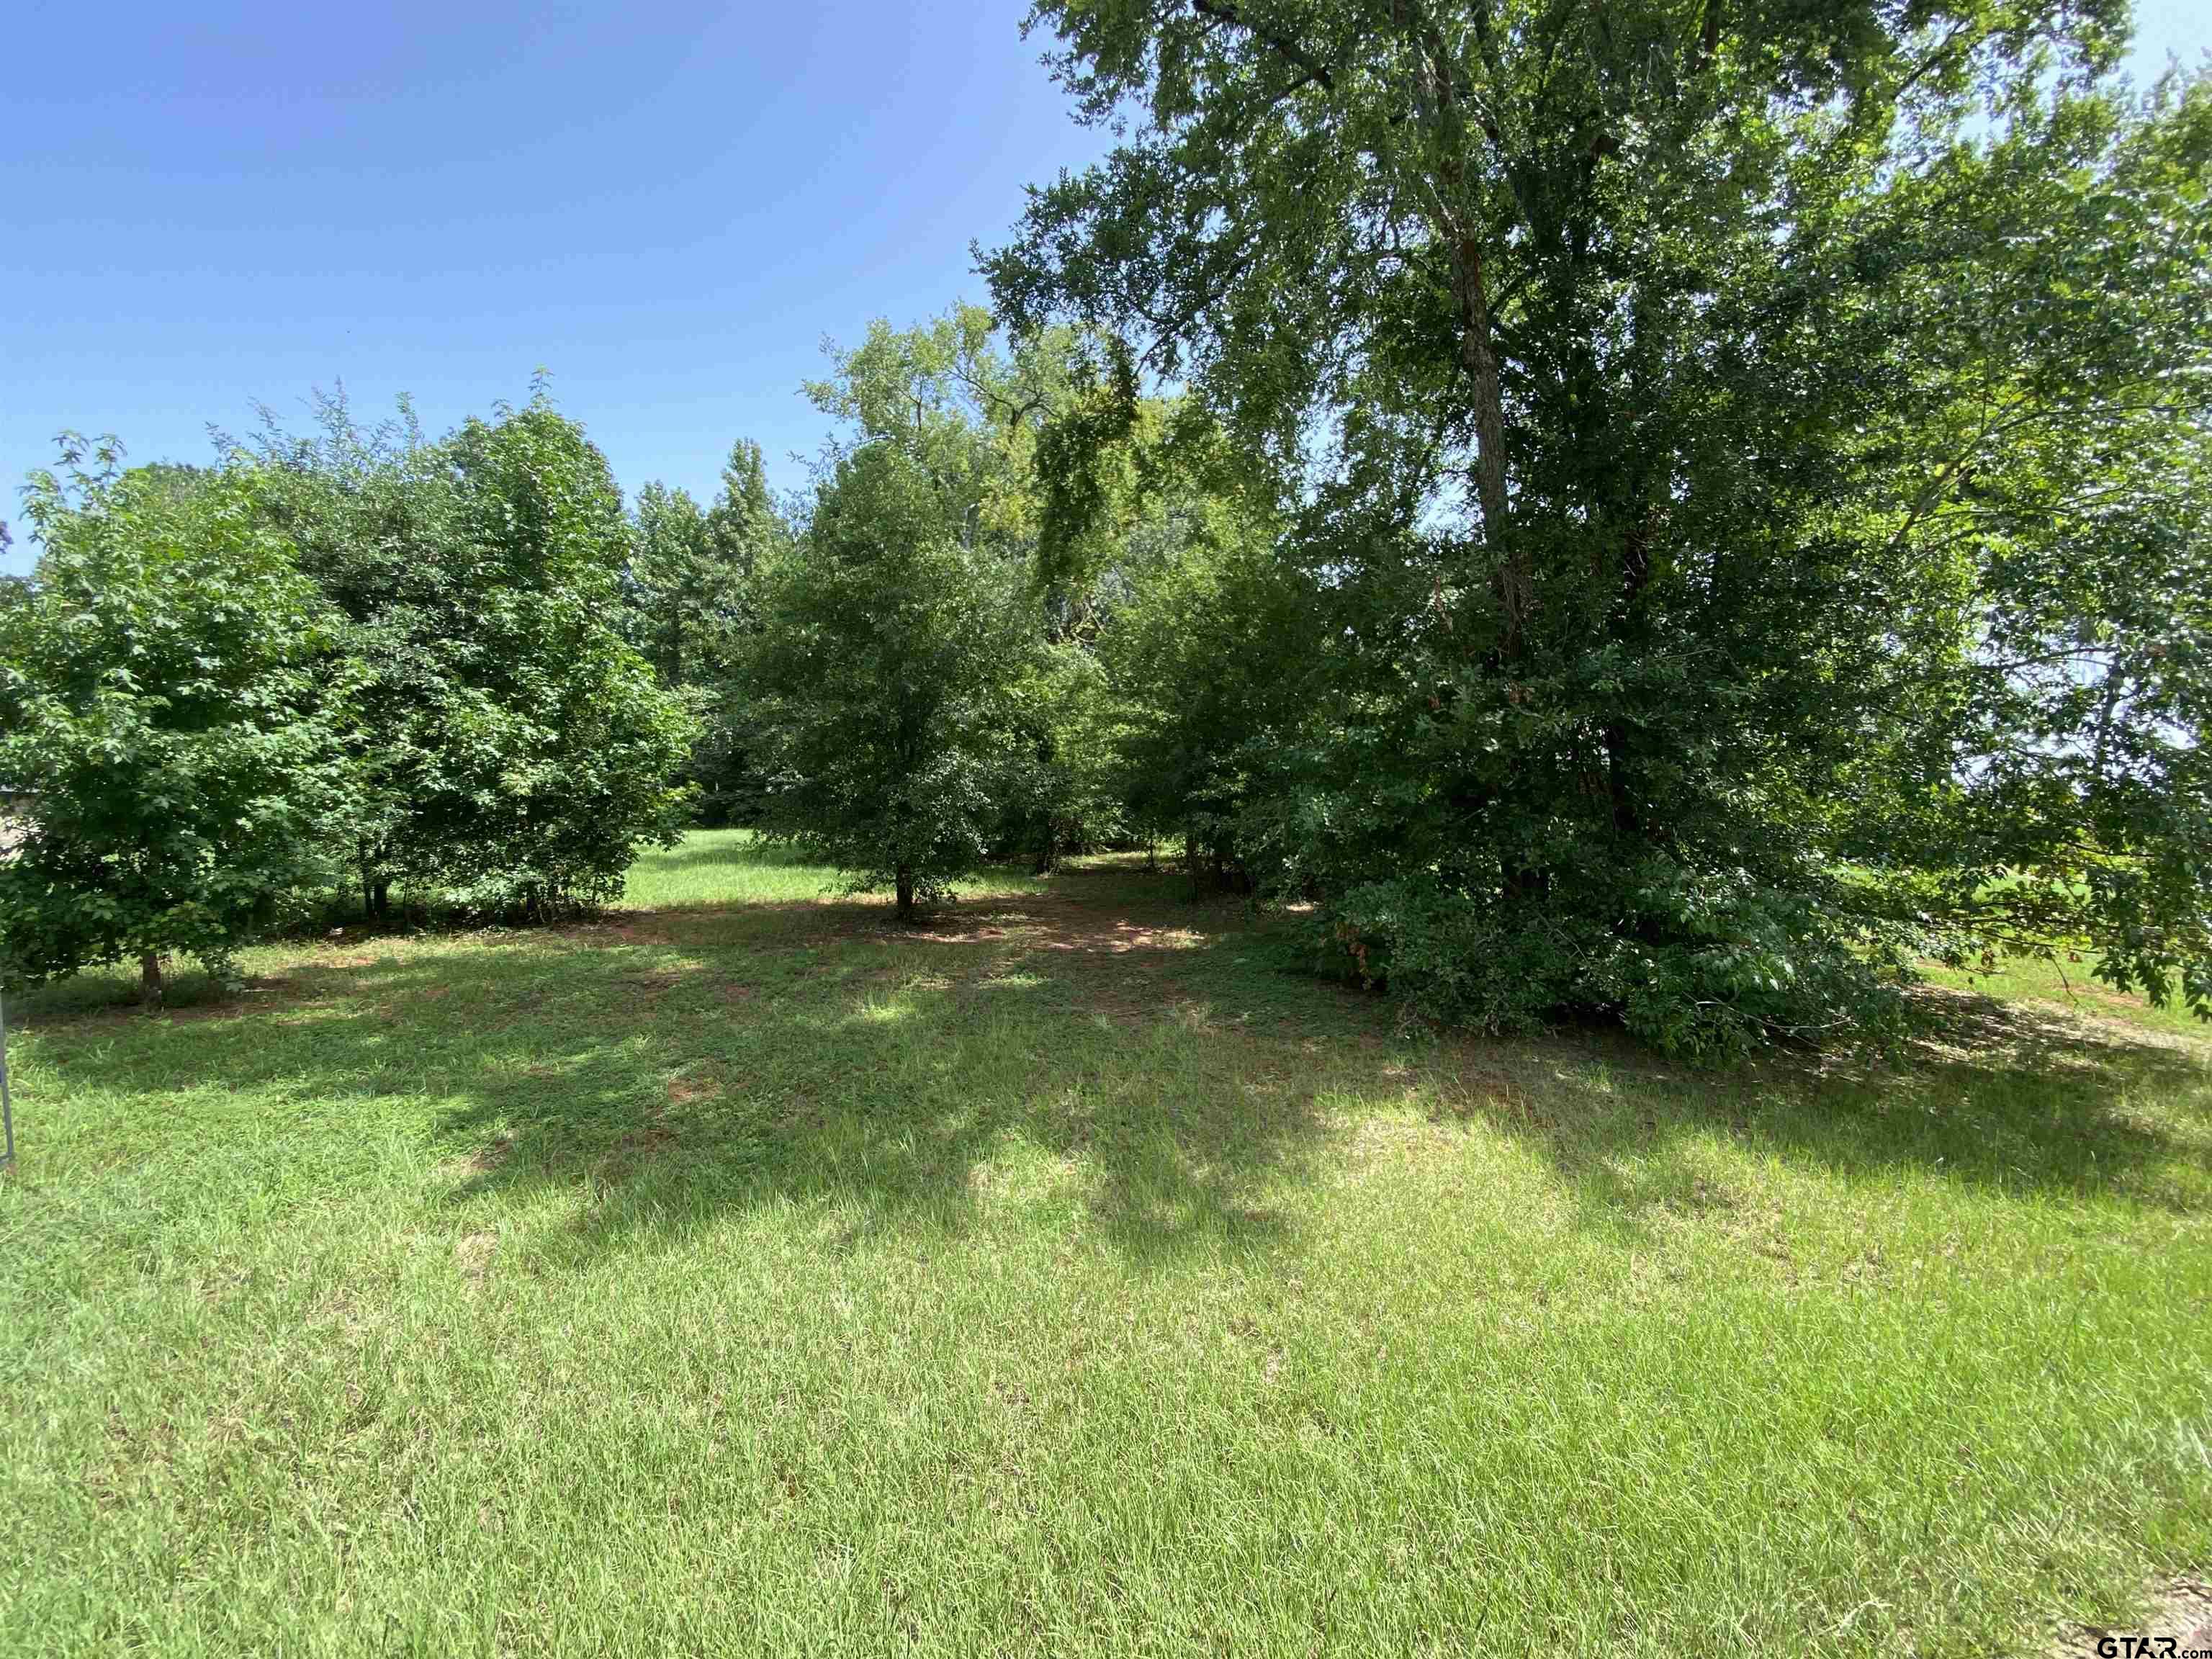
(2069, 982)
(743, 1272)
(733, 866)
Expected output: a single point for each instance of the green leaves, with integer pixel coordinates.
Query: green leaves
(363, 659)
(690, 603)
(171, 699)
(1737, 446)
(515, 750)
(882, 685)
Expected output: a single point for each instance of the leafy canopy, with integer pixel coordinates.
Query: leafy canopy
(175, 700)
(881, 680)
(516, 751)
(1749, 452)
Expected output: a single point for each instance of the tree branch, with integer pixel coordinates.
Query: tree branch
(1220, 11)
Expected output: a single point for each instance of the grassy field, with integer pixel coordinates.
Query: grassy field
(741, 1274)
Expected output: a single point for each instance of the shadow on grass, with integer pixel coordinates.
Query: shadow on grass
(2011, 1098)
(658, 1070)
(659, 1073)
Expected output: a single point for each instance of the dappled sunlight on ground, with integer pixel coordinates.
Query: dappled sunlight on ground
(1088, 1176)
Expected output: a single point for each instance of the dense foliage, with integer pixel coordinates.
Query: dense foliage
(1673, 511)
(175, 703)
(899, 640)
(880, 682)
(516, 751)
(1212, 648)
(690, 606)
(1753, 456)
(358, 660)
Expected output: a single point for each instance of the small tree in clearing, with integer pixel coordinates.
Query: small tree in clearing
(174, 695)
(882, 681)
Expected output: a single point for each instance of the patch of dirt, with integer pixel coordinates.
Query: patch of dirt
(654, 982)
(682, 1091)
(485, 1162)
(1058, 924)
(472, 1255)
(2180, 1614)
(972, 936)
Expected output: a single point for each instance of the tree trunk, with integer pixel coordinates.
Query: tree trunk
(1458, 221)
(905, 893)
(1625, 819)
(1479, 355)
(149, 978)
(380, 897)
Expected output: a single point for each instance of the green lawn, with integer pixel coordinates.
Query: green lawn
(740, 1274)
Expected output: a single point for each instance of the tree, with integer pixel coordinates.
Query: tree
(921, 727)
(518, 751)
(881, 680)
(744, 527)
(1066, 796)
(690, 589)
(691, 572)
(681, 607)
(1210, 647)
(175, 696)
(1669, 396)
(1210, 660)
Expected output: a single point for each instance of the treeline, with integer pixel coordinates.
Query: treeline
(1751, 463)
(1678, 518)
(349, 663)
(339, 671)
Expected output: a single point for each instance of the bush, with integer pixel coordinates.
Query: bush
(1707, 966)
(517, 751)
(176, 696)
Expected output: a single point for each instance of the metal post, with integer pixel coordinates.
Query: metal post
(7, 1106)
(13, 806)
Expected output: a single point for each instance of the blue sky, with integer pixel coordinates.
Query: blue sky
(668, 205)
